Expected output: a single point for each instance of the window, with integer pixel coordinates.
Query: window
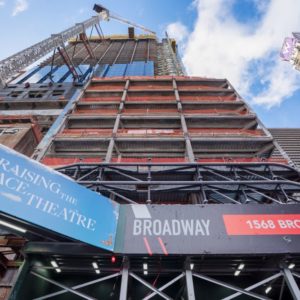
(56, 93)
(15, 94)
(36, 94)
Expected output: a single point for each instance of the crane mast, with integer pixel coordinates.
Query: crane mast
(24, 58)
(17, 62)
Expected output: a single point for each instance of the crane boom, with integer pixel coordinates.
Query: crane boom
(15, 63)
(106, 14)
(131, 23)
(24, 58)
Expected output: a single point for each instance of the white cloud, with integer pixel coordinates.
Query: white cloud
(2, 2)
(20, 6)
(221, 47)
(177, 31)
(282, 82)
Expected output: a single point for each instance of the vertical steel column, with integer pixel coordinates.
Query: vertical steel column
(281, 289)
(119, 53)
(189, 285)
(291, 283)
(103, 55)
(148, 50)
(124, 281)
(188, 143)
(117, 123)
(133, 52)
(22, 274)
(201, 195)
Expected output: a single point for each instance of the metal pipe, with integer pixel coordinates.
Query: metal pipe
(196, 183)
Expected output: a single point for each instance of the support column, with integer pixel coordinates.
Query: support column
(22, 273)
(119, 53)
(188, 143)
(117, 123)
(189, 285)
(201, 196)
(124, 281)
(291, 283)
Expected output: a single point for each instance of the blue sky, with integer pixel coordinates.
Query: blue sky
(236, 39)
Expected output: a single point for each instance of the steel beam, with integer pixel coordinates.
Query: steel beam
(254, 286)
(103, 55)
(291, 283)
(149, 286)
(124, 281)
(281, 289)
(230, 286)
(296, 274)
(215, 180)
(165, 286)
(119, 53)
(193, 183)
(189, 285)
(133, 52)
(31, 112)
(130, 201)
(22, 273)
(188, 144)
(117, 123)
(82, 295)
(79, 286)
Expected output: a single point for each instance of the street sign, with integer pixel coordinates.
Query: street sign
(209, 229)
(37, 194)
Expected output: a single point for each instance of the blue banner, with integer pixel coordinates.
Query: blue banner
(37, 194)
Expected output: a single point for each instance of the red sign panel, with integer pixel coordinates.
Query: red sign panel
(281, 224)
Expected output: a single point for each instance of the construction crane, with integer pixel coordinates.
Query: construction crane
(17, 62)
(106, 15)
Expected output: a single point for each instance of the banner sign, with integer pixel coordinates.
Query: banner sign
(37, 194)
(34, 193)
(262, 224)
(209, 229)
(288, 47)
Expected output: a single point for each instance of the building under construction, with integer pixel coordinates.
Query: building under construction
(205, 201)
